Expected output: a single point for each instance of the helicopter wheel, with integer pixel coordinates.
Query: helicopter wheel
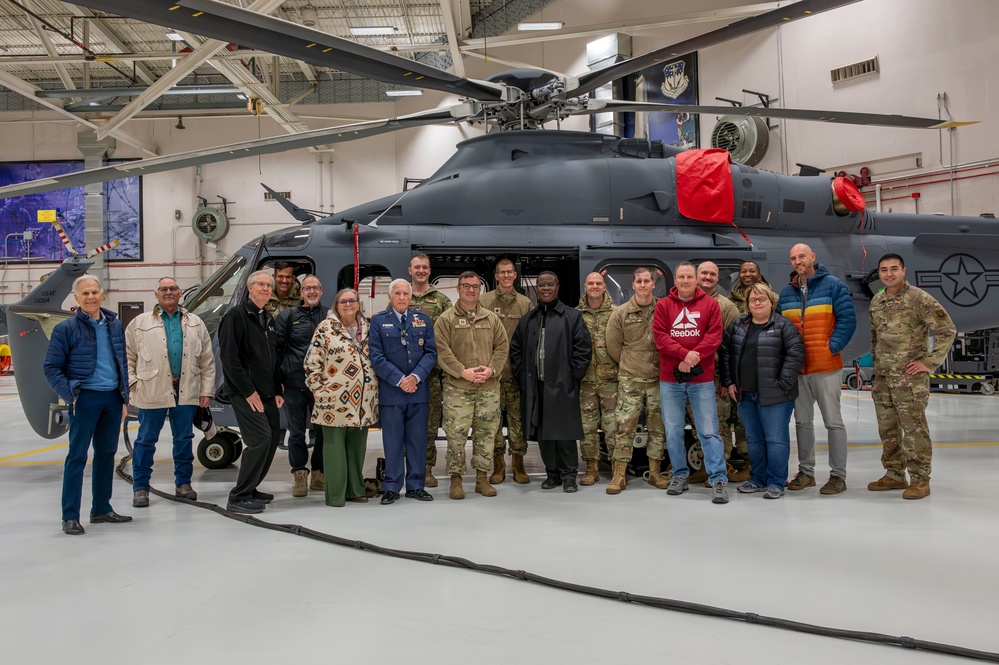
(220, 451)
(852, 382)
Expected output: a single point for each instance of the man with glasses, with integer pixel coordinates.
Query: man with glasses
(472, 350)
(509, 306)
(295, 327)
(433, 303)
(248, 349)
(172, 372)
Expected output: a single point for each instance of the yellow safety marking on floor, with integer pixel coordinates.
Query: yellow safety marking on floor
(41, 450)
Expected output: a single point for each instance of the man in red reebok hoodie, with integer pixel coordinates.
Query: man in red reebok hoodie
(687, 326)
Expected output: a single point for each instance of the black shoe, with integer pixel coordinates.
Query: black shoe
(420, 495)
(389, 497)
(569, 486)
(551, 483)
(245, 506)
(110, 518)
(72, 528)
(262, 497)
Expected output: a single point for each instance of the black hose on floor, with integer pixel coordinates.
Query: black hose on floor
(525, 576)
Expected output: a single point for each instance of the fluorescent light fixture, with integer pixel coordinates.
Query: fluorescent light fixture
(373, 30)
(243, 97)
(174, 37)
(541, 25)
(403, 93)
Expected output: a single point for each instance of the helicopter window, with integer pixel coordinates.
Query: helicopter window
(619, 277)
(372, 290)
(212, 299)
(291, 239)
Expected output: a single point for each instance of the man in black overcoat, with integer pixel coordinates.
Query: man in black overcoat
(549, 353)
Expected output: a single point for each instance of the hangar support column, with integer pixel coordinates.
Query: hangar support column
(95, 153)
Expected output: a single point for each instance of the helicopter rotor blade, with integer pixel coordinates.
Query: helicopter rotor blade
(251, 29)
(592, 80)
(339, 134)
(842, 117)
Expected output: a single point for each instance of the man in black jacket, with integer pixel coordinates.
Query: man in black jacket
(248, 346)
(549, 353)
(295, 327)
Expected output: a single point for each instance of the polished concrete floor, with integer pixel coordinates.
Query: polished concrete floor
(184, 585)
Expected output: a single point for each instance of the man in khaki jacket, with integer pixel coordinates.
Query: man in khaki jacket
(630, 345)
(171, 371)
(509, 306)
(472, 349)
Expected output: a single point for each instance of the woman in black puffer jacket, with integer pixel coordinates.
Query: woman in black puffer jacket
(761, 356)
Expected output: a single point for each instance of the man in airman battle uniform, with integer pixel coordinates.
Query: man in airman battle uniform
(509, 306)
(631, 346)
(472, 349)
(902, 316)
(749, 274)
(598, 391)
(433, 303)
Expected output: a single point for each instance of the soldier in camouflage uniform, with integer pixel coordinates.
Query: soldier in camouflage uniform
(598, 391)
(287, 292)
(631, 346)
(472, 349)
(433, 303)
(728, 417)
(902, 316)
(749, 274)
(509, 306)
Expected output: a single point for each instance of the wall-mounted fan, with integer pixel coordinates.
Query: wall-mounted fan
(210, 224)
(746, 137)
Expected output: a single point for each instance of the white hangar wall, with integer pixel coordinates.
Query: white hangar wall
(922, 51)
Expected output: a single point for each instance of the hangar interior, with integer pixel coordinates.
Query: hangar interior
(185, 583)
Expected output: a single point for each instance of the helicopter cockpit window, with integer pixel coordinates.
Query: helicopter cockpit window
(212, 299)
(291, 239)
(618, 279)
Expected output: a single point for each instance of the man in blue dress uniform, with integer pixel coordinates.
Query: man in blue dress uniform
(403, 353)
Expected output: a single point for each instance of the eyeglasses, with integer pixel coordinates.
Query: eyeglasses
(168, 289)
(470, 287)
(506, 272)
(758, 301)
(263, 285)
(348, 301)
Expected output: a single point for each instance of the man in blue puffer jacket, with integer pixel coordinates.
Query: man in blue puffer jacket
(86, 366)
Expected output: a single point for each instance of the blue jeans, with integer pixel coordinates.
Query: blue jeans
(96, 417)
(768, 437)
(673, 397)
(150, 423)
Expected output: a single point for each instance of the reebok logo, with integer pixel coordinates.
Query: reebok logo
(685, 324)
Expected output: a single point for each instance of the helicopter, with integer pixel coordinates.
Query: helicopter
(568, 202)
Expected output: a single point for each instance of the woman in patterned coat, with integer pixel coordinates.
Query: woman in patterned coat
(338, 371)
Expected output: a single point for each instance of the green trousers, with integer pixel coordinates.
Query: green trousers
(344, 448)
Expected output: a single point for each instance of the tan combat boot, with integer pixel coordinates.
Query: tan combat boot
(457, 491)
(519, 472)
(499, 468)
(886, 482)
(917, 489)
(482, 485)
(430, 481)
(742, 475)
(592, 474)
(317, 481)
(618, 481)
(656, 478)
(300, 484)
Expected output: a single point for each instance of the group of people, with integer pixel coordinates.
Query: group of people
(553, 374)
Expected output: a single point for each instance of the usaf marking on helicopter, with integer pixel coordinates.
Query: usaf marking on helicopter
(570, 202)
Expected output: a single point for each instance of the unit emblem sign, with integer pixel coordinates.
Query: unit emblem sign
(962, 279)
(675, 80)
